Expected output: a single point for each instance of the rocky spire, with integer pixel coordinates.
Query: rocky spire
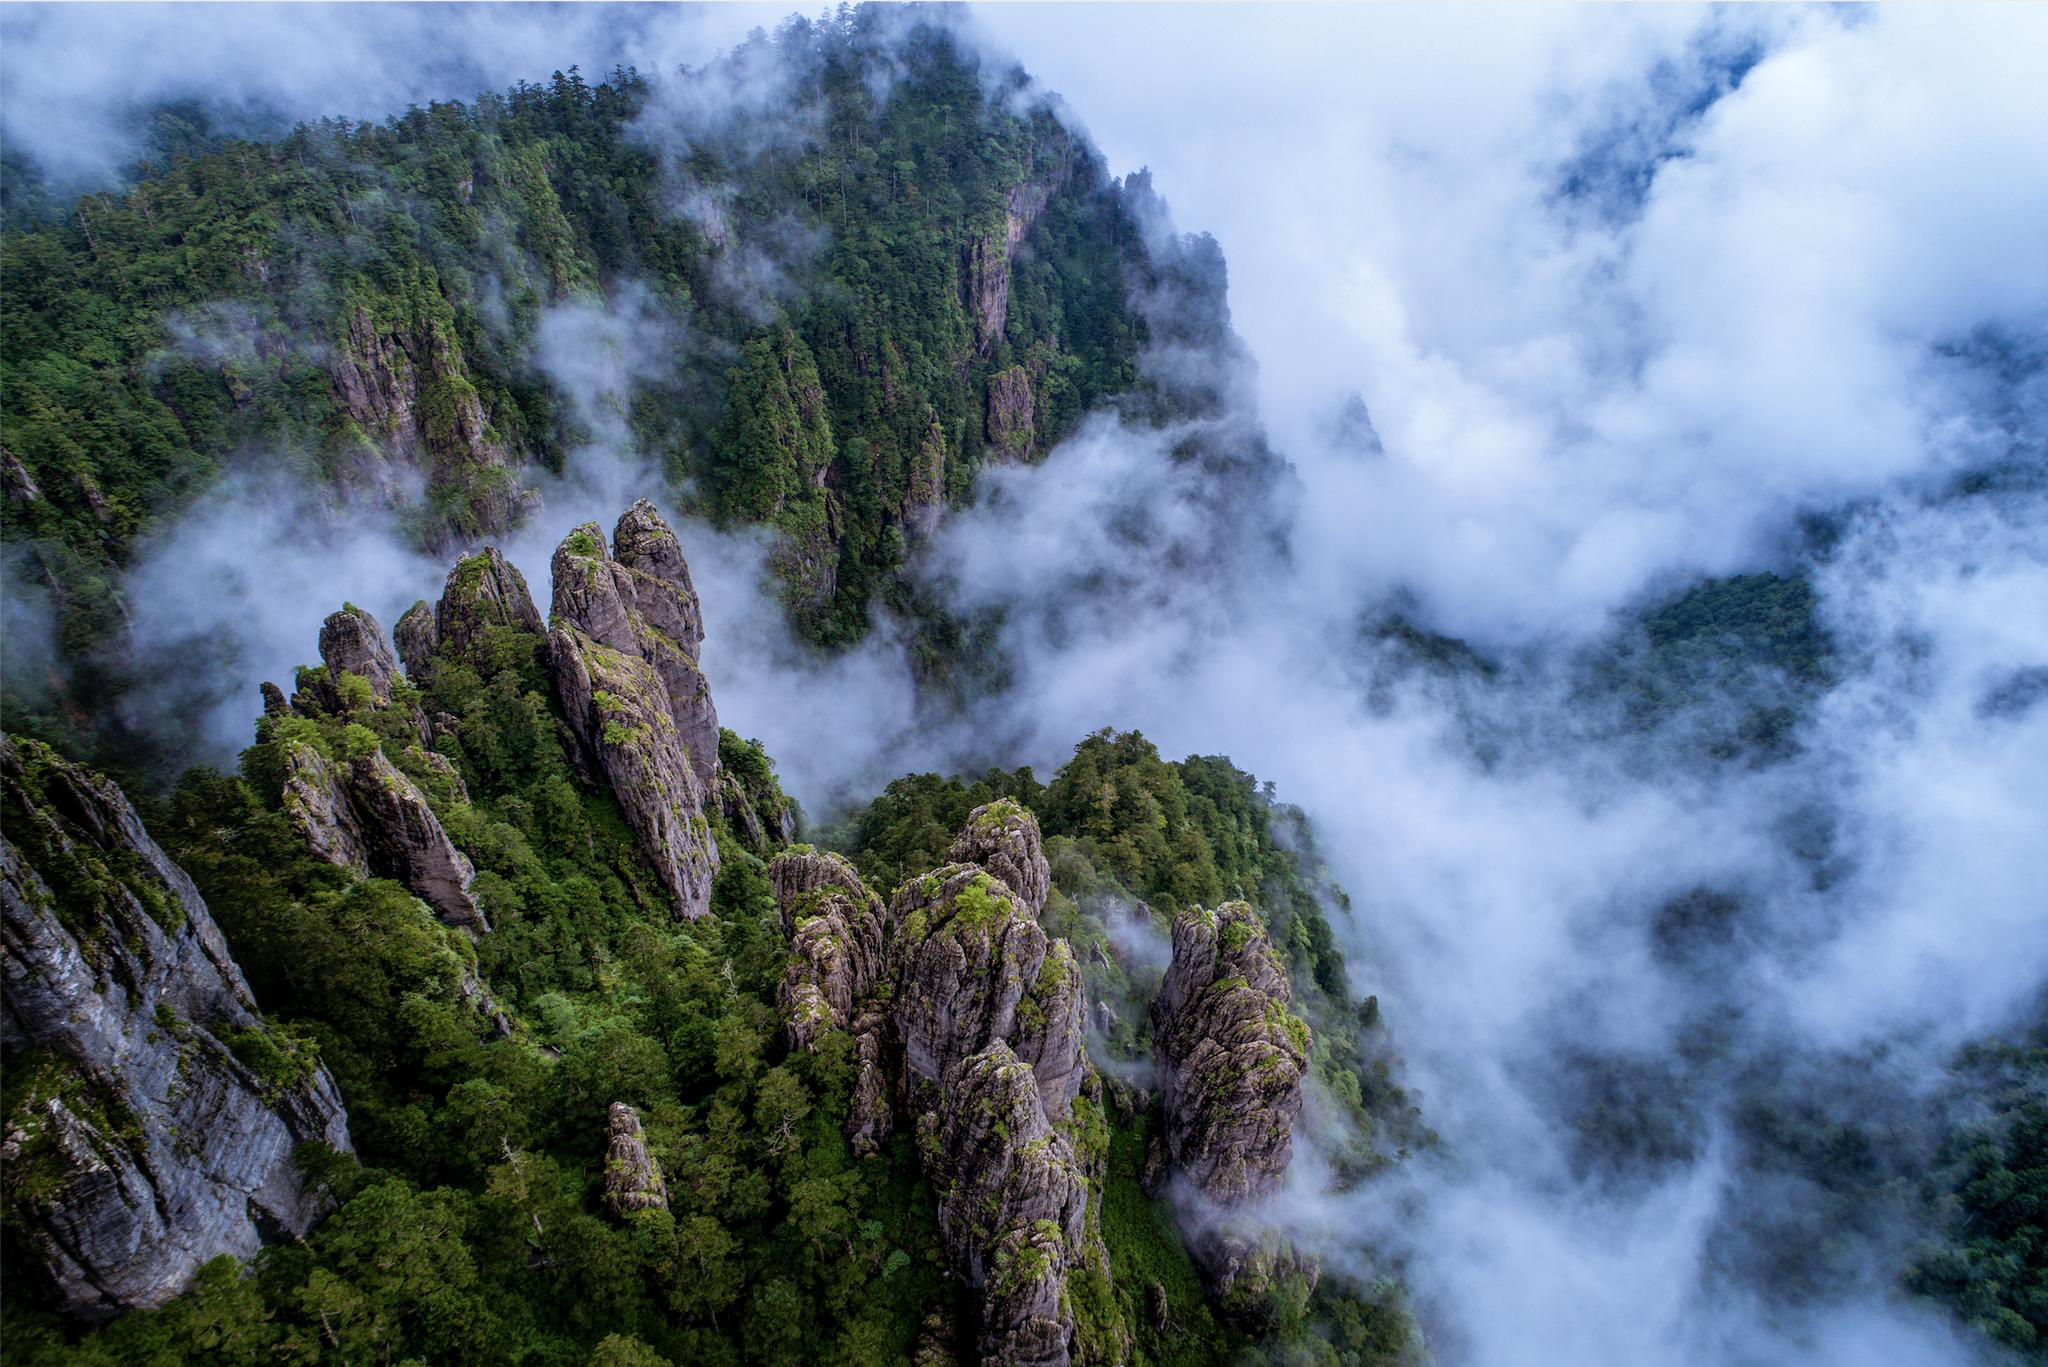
(484, 590)
(351, 642)
(1012, 1205)
(623, 653)
(138, 1144)
(971, 1026)
(1232, 1057)
(835, 928)
(632, 1179)
(1003, 838)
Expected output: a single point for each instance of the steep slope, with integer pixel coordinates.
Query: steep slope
(151, 1113)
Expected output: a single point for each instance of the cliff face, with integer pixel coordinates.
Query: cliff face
(623, 654)
(404, 387)
(151, 1114)
(1232, 1057)
(990, 253)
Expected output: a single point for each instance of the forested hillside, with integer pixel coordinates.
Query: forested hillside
(590, 1122)
(877, 265)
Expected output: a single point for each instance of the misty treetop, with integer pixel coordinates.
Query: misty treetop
(880, 265)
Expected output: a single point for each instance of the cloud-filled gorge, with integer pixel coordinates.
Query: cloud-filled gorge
(1573, 329)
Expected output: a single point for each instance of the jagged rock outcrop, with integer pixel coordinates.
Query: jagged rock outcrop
(1009, 417)
(482, 591)
(871, 1116)
(804, 869)
(417, 637)
(965, 951)
(351, 642)
(1012, 1205)
(623, 653)
(139, 1143)
(1232, 1057)
(835, 934)
(632, 1179)
(361, 813)
(352, 646)
(1003, 838)
(971, 1028)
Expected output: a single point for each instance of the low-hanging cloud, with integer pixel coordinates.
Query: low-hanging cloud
(1627, 296)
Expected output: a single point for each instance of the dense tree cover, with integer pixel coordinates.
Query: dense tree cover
(469, 1231)
(1722, 670)
(1990, 1188)
(470, 1226)
(817, 259)
(1131, 839)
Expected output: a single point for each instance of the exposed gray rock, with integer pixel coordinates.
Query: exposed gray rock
(965, 951)
(805, 869)
(1232, 1058)
(139, 1144)
(623, 656)
(417, 638)
(835, 926)
(871, 1117)
(1003, 838)
(364, 815)
(1012, 1205)
(482, 591)
(1051, 1034)
(632, 1179)
(15, 480)
(1009, 421)
(972, 1026)
(316, 798)
(406, 838)
(669, 628)
(352, 642)
(380, 372)
(990, 253)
